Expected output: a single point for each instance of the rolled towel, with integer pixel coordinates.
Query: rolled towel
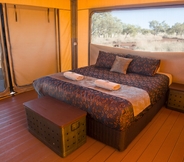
(73, 76)
(107, 85)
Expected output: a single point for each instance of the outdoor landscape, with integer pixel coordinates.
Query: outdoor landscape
(159, 37)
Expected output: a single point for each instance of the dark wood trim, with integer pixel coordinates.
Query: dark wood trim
(74, 35)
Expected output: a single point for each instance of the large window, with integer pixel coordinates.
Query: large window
(142, 29)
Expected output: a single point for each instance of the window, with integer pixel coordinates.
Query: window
(158, 29)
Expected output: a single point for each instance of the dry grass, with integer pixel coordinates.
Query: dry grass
(142, 42)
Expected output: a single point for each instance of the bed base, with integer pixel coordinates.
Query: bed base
(121, 139)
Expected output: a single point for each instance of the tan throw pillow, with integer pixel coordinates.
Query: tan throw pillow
(121, 64)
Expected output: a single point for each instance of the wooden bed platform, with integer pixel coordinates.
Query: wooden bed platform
(121, 139)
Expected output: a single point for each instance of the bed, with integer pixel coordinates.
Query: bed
(112, 118)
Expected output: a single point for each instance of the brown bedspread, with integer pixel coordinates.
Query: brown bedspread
(113, 111)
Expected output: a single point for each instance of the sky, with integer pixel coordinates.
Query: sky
(142, 17)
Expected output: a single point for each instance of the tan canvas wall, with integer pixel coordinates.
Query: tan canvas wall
(65, 39)
(61, 4)
(25, 69)
(88, 4)
(83, 41)
(32, 43)
(64, 22)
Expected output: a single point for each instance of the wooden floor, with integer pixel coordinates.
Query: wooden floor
(162, 140)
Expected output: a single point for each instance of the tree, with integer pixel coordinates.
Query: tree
(178, 28)
(129, 29)
(104, 24)
(145, 31)
(164, 27)
(158, 27)
(154, 25)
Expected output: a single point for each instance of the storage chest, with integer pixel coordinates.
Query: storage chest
(60, 126)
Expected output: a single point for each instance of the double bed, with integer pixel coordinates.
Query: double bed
(114, 117)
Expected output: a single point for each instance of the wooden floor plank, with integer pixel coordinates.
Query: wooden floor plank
(103, 154)
(8, 112)
(24, 150)
(7, 117)
(10, 105)
(178, 151)
(13, 125)
(17, 150)
(90, 152)
(120, 155)
(139, 148)
(38, 154)
(8, 132)
(165, 151)
(155, 144)
(17, 144)
(17, 99)
(14, 143)
(16, 134)
(12, 120)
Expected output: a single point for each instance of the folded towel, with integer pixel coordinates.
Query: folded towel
(107, 85)
(73, 76)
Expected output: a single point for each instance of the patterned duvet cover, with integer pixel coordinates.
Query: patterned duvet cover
(113, 111)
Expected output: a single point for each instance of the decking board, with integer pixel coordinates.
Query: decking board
(161, 140)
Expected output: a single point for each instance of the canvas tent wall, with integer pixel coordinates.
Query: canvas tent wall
(37, 38)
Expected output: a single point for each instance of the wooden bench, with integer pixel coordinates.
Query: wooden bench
(61, 126)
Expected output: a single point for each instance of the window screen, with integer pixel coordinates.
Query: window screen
(159, 29)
